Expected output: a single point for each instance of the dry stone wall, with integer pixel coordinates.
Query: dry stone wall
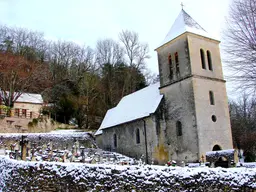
(42, 176)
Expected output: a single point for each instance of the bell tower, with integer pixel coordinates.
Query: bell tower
(191, 80)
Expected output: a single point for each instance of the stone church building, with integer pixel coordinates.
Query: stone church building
(182, 117)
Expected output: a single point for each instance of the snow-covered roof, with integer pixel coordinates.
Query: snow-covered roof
(98, 132)
(185, 23)
(134, 106)
(30, 98)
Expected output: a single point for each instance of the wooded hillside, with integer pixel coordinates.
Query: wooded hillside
(79, 82)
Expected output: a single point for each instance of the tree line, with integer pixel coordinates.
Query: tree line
(78, 82)
(82, 83)
(240, 58)
(243, 124)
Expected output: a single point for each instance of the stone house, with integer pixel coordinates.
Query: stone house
(184, 116)
(28, 105)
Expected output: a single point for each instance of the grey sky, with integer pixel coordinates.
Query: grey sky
(84, 21)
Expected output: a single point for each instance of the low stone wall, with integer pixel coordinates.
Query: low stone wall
(31, 176)
(26, 125)
(57, 140)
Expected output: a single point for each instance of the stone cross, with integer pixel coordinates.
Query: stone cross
(182, 5)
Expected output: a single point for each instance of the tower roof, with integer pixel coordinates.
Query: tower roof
(185, 23)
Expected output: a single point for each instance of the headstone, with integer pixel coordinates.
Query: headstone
(2, 151)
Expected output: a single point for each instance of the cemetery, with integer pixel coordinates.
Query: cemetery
(78, 147)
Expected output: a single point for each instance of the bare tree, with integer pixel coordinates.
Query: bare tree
(136, 51)
(240, 43)
(18, 75)
(242, 116)
(23, 42)
(109, 51)
(69, 60)
(150, 77)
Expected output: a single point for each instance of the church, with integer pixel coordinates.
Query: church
(182, 117)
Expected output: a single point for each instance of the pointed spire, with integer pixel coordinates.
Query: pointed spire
(185, 23)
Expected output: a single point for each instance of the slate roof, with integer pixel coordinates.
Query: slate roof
(185, 23)
(134, 106)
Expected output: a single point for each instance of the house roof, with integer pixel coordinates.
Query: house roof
(134, 106)
(185, 23)
(29, 98)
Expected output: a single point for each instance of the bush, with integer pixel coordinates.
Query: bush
(35, 122)
(30, 124)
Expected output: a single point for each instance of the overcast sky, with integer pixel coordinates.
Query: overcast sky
(84, 21)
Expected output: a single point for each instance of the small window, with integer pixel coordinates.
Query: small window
(209, 59)
(202, 58)
(17, 112)
(115, 140)
(211, 97)
(214, 118)
(179, 128)
(24, 113)
(170, 66)
(177, 64)
(137, 136)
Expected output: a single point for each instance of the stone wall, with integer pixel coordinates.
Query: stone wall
(32, 109)
(179, 101)
(24, 125)
(30, 176)
(179, 45)
(127, 144)
(58, 141)
(126, 138)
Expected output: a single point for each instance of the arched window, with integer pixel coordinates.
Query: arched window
(211, 97)
(202, 58)
(170, 66)
(216, 148)
(209, 59)
(115, 140)
(137, 136)
(214, 118)
(177, 64)
(179, 128)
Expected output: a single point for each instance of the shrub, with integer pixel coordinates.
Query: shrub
(30, 124)
(35, 122)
